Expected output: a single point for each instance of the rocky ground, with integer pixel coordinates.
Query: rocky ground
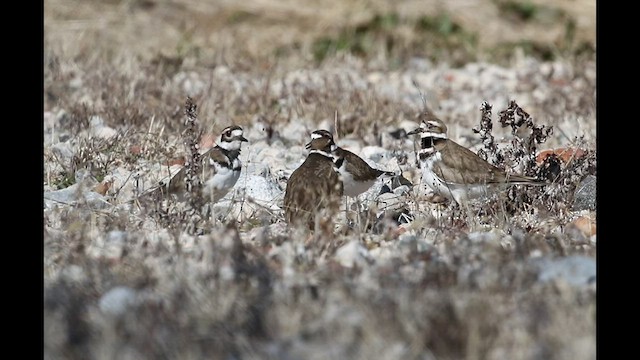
(411, 277)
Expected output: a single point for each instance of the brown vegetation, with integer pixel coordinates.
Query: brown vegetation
(125, 280)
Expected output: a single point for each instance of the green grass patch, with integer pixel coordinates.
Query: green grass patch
(436, 37)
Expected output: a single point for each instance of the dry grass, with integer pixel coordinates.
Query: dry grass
(382, 30)
(246, 287)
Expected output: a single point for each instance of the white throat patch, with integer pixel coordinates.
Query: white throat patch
(231, 145)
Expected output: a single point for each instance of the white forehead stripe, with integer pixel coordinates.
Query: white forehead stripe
(237, 132)
(316, 136)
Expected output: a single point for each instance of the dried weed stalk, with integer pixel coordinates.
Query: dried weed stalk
(192, 214)
(520, 156)
(193, 161)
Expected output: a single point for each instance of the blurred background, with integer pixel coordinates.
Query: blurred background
(384, 33)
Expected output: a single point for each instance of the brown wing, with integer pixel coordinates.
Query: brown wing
(359, 168)
(312, 188)
(174, 180)
(217, 155)
(207, 170)
(462, 166)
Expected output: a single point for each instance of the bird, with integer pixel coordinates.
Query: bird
(455, 172)
(220, 169)
(315, 188)
(357, 175)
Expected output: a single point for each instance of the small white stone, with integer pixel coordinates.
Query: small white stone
(74, 273)
(118, 300)
(575, 270)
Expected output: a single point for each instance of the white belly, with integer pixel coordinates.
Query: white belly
(437, 185)
(457, 192)
(219, 184)
(353, 188)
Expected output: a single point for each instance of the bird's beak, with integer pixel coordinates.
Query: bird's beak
(308, 145)
(242, 138)
(416, 131)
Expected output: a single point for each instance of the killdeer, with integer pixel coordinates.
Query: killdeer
(455, 172)
(315, 186)
(220, 170)
(357, 175)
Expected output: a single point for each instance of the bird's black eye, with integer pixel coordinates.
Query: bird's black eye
(228, 133)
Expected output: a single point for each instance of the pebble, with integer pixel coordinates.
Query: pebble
(576, 270)
(118, 300)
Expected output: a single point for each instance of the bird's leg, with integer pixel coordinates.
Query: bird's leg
(357, 218)
(346, 209)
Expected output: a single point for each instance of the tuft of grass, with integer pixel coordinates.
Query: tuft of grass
(527, 11)
(442, 25)
(446, 39)
(542, 51)
(520, 10)
(63, 180)
(240, 16)
(435, 37)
